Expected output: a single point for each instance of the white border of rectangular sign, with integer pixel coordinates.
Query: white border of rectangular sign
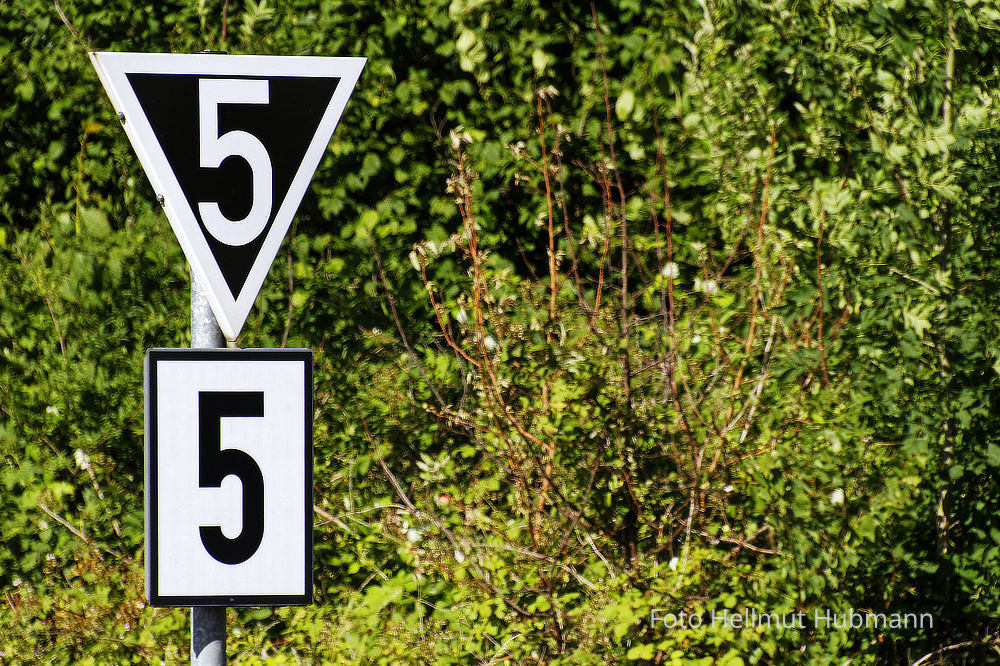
(153, 358)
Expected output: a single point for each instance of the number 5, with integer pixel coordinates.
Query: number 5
(216, 463)
(215, 149)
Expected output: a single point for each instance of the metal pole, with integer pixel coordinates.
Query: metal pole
(208, 623)
(205, 331)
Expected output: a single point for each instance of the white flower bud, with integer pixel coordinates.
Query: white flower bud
(708, 287)
(82, 459)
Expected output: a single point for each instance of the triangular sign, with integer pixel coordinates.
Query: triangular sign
(229, 144)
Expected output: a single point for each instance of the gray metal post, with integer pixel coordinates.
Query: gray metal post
(208, 623)
(205, 331)
(208, 636)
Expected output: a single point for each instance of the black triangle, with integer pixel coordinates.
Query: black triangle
(285, 125)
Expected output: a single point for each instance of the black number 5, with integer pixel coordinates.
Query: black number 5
(216, 463)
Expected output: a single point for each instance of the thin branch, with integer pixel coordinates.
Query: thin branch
(929, 287)
(291, 307)
(441, 325)
(399, 326)
(597, 551)
(743, 544)
(538, 556)
(55, 322)
(426, 517)
(495, 659)
(758, 300)
(687, 529)
(225, 22)
(83, 537)
(76, 35)
(822, 296)
(755, 397)
(330, 518)
(993, 641)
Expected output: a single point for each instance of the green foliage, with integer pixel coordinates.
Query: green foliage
(646, 309)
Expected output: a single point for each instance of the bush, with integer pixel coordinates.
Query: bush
(628, 312)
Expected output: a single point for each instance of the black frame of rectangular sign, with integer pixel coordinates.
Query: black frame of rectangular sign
(154, 356)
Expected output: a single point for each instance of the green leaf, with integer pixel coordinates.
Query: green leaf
(540, 61)
(641, 651)
(691, 120)
(624, 105)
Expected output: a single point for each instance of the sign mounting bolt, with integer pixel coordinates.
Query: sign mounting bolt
(161, 200)
(121, 118)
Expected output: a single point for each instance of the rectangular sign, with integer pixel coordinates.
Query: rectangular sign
(229, 477)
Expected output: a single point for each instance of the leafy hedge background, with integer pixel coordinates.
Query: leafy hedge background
(616, 307)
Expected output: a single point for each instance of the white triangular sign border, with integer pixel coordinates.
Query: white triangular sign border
(112, 69)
